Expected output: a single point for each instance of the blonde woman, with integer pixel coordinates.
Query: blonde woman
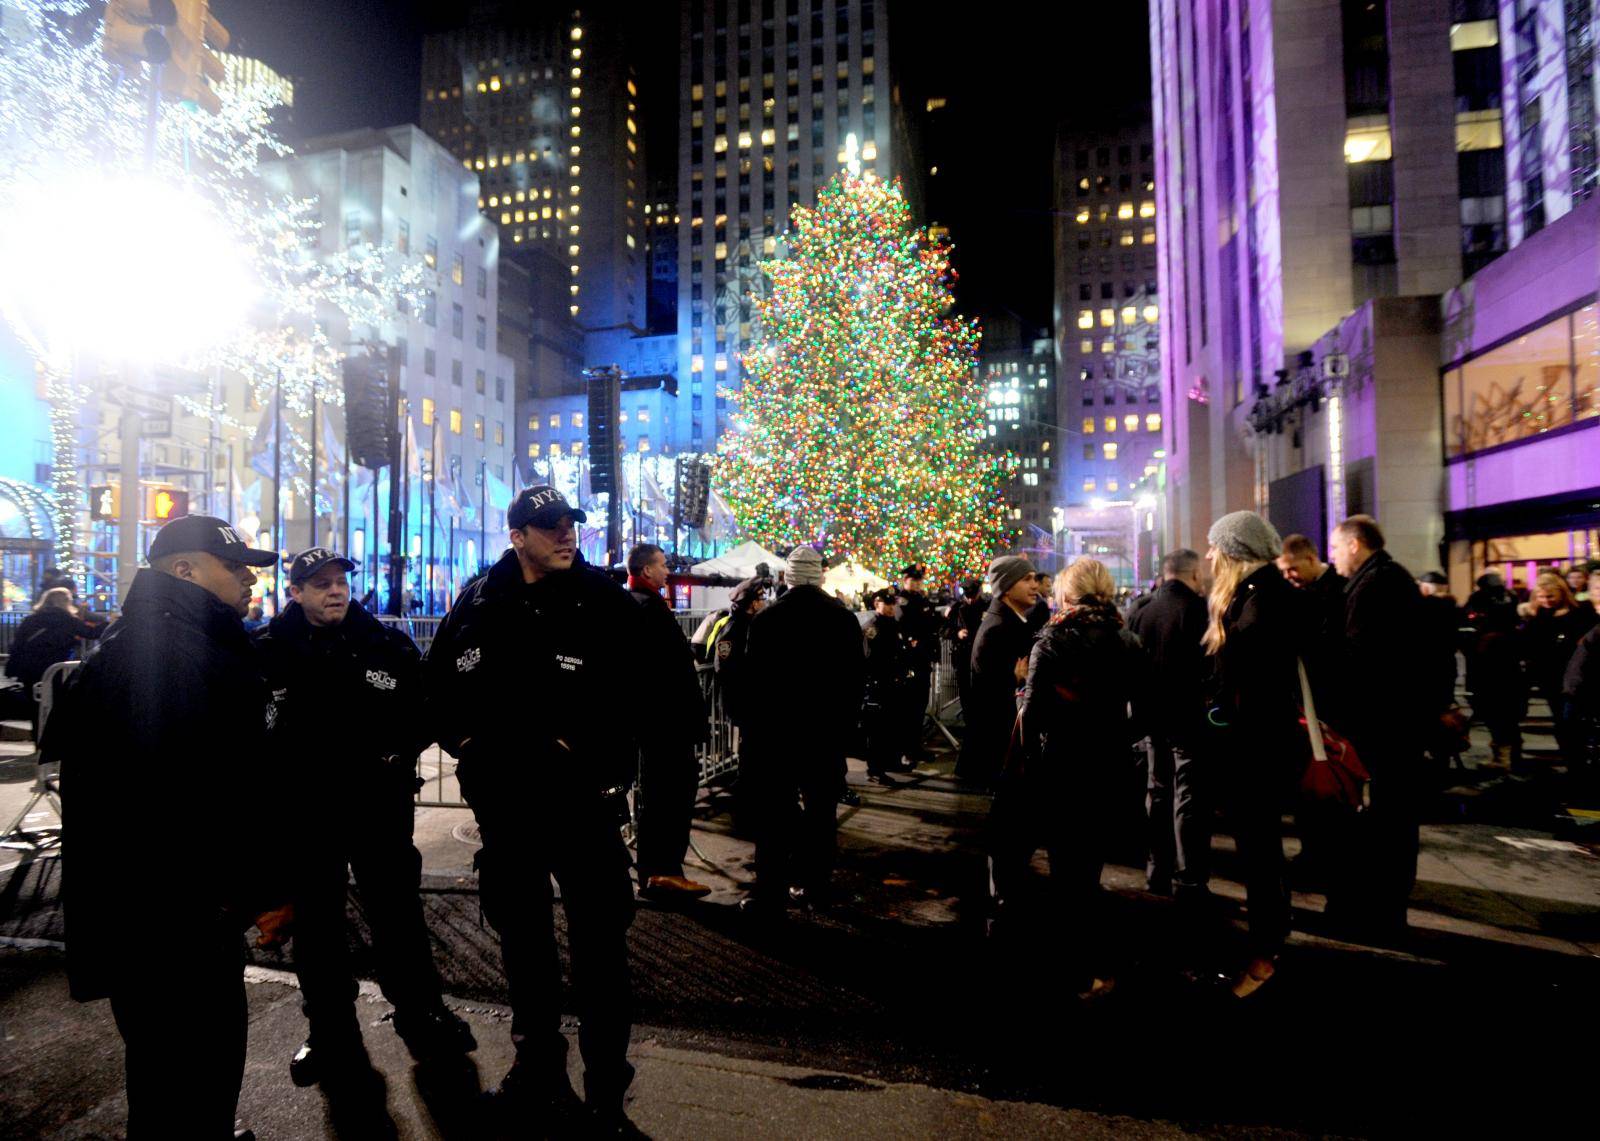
(1060, 789)
(1557, 625)
(1258, 622)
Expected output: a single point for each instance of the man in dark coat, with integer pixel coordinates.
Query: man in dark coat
(1171, 625)
(348, 696)
(1323, 589)
(669, 773)
(891, 668)
(919, 625)
(1384, 707)
(168, 721)
(1495, 685)
(999, 667)
(528, 677)
(806, 648)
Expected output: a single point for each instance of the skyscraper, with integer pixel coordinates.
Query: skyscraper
(1106, 311)
(770, 91)
(1017, 370)
(1290, 191)
(541, 103)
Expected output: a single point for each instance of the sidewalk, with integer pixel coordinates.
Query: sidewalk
(891, 1015)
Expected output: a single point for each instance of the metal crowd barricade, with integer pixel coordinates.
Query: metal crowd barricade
(47, 778)
(419, 629)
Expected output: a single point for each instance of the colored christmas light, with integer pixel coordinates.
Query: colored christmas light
(860, 426)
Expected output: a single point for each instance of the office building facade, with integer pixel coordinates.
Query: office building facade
(769, 93)
(1106, 312)
(1017, 372)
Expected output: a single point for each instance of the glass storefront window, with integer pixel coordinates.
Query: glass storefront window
(1586, 353)
(1521, 389)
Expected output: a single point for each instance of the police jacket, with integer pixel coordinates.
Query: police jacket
(727, 655)
(348, 702)
(164, 725)
(1171, 624)
(803, 665)
(668, 677)
(532, 681)
(919, 625)
(964, 615)
(890, 661)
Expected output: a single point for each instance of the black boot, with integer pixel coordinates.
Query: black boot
(435, 1033)
(525, 1103)
(327, 1060)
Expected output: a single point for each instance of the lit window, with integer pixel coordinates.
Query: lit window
(1111, 423)
(1083, 215)
(1130, 422)
(720, 144)
(577, 419)
(1089, 485)
(427, 411)
(477, 427)
(576, 447)
(555, 450)
(555, 419)
(1367, 139)
(1109, 450)
(722, 364)
(1112, 485)
(1086, 318)
(1474, 34)
(644, 443)
(1147, 209)
(644, 416)
(455, 421)
(1125, 211)
(1129, 313)
(1086, 346)
(499, 434)
(769, 137)
(533, 451)
(1152, 422)
(1479, 130)
(1088, 425)
(1151, 312)
(1108, 317)
(870, 151)
(1148, 236)
(1125, 238)
(622, 417)
(533, 423)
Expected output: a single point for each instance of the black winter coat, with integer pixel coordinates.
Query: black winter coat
(964, 615)
(1548, 643)
(165, 722)
(890, 661)
(1003, 637)
(44, 638)
(803, 673)
(919, 622)
(1581, 686)
(1257, 677)
(677, 717)
(1170, 625)
(532, 681)
(728, 658)
(349, 710)
(1084, 675)
(1441, 634)
(1385, 702)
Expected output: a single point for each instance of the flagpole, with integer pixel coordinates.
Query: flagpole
(433, 483)
(277, 485)
(313, 541)
(483, 512)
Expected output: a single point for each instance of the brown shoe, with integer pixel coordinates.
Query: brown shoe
(1255, 976)
(673, 887)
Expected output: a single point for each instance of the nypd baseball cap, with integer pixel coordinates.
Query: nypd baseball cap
(313, 559)
(540, 506)
(209, 534)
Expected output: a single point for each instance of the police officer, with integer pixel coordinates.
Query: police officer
(919, 624)
(348, 691)
(167, 722)
(524, 681)
(668, 687)
(890, 670)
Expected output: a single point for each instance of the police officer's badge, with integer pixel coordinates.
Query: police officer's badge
(872, 631)
(724, 649)
(469, 660)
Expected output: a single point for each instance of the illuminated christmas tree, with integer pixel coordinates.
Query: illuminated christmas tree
(860, 426)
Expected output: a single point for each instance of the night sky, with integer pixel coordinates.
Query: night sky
(1009, 82)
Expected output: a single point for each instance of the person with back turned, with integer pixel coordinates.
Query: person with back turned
(348, 694)
(524, 680)
(669, 774)
(168, 721)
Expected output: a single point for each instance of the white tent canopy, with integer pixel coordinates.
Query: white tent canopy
(740, 561)
(852, 579)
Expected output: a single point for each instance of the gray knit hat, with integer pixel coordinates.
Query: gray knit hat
(805, 567)
(1006, 571)
(1245, 536)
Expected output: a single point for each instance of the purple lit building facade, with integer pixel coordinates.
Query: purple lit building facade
(1327, 173)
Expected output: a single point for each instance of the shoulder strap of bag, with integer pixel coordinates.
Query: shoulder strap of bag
(1313, 726)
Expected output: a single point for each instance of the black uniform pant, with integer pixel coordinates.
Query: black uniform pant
(669, 778)
(388, 872)
(1179, 818)
(181, 1013)
(576, 838)
(882, 724)
(1067, 820)
(795, 795)
(914, 705)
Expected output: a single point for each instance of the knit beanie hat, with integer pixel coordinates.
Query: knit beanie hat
(1245, 536)
(1006, 571)
(805, 567)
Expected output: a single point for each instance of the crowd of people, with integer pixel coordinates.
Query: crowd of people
(559, 690)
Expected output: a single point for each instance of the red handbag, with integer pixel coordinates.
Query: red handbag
(1335, 774)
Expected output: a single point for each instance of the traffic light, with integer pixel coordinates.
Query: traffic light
(105, 503)
(368, 415)
(164, 503)
(193, 71)
(605, 446)
(133, 31)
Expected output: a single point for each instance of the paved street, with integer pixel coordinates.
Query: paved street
(892, 1016)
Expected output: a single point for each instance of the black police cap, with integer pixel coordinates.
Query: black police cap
(540, 506)
(209, 534)
(310, 561)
